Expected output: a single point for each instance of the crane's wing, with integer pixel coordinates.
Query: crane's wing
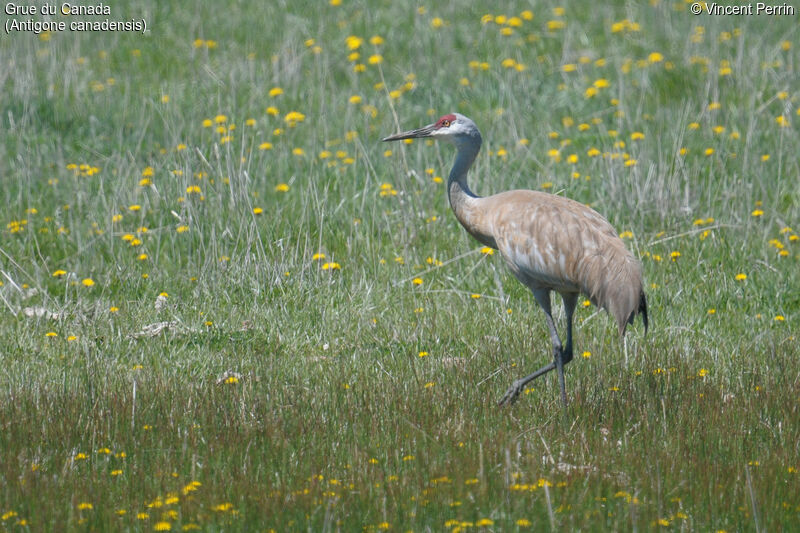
(553, 242)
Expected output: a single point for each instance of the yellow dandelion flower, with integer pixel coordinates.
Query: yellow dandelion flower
(223, 507)
(85, 506)
(655, 57)
(294, 117)
(417, 281)
(423, 354)
(437, 23)
(757, 212)
(353, 43)
(282, 187)
(375, 59)
(740, 277)
(162, 526)
(487, 250)
(88, 282)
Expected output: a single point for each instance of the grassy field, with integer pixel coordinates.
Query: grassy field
(225, 305)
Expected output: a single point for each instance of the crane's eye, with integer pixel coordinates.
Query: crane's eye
(445, 123)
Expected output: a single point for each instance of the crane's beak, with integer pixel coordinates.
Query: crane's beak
(413, 134)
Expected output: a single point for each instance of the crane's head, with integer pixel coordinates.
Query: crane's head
(453, 127)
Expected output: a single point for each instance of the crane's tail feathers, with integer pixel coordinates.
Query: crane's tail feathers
(643, 310)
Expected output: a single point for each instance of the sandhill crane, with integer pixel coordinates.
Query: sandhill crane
(549, 242)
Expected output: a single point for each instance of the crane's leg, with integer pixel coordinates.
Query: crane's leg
(565, 356)
(543, 297)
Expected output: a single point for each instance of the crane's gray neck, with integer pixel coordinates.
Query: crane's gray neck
(467, 206)
(457, 189)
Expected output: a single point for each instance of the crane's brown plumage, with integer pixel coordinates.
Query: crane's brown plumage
(553, 242)
(549, 242)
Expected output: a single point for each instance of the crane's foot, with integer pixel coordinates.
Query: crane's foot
(518, 386)
(512, 393)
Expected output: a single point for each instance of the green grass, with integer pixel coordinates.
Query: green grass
(289, 396)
